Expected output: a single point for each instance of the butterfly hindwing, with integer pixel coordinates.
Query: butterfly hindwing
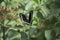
(23, 17)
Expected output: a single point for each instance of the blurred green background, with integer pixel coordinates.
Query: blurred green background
(45, 24)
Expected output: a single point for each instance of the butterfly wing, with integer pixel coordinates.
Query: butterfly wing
(30, 16)
(23, 17)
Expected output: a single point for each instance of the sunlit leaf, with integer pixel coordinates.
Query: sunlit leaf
(36, 1)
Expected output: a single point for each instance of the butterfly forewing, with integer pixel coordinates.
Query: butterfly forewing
(30, 16)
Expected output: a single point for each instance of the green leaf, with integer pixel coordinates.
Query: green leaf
(12, 23)
(35, 20)
(48, 34)
(6, 22)
(24, 36)
(29, 5)
(36, 1)
(40, 16)
(3, 4)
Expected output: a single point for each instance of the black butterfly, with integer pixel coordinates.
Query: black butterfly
(23, 17)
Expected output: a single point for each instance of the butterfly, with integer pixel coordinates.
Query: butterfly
(24, 18)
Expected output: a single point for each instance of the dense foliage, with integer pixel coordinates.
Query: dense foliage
(45, 20)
